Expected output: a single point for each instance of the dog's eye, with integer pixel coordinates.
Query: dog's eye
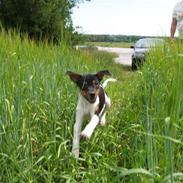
(97, 83)
(84, 85)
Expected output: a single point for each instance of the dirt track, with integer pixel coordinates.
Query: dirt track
(124, 54)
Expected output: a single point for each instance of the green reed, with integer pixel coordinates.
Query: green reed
(142, 141)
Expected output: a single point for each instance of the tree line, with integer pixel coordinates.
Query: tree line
(112, 38)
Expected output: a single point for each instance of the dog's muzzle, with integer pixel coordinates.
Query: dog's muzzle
(91, 94)
(92, 97)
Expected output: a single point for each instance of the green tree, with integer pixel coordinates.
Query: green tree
(50, 19)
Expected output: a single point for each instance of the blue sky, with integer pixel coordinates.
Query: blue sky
(128, 17)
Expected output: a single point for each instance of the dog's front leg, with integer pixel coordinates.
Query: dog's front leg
(87, 132)
(77, 132)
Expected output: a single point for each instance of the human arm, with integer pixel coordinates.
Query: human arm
(173, 28)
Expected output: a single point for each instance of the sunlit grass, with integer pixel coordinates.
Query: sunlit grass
(142, 141)
(110, 44)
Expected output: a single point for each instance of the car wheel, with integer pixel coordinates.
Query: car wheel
(134, 65)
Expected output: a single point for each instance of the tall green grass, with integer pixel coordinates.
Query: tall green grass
(157, 115)
(142, 141)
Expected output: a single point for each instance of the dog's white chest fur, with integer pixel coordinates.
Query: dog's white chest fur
(85, 107)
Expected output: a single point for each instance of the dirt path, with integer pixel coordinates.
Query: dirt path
(124, 54)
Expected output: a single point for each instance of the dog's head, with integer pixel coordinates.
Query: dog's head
(89, 84)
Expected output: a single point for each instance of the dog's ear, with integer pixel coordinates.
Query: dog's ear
(74, 76)
(101, 74)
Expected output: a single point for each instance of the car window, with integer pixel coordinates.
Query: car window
(148, 43)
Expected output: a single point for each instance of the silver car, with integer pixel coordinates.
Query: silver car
(142, 46)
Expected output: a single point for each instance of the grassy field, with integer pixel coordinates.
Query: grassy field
(110, 44)
(142, 142)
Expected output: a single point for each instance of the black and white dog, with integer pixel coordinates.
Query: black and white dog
(93, 100)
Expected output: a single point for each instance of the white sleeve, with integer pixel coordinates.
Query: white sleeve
(174, 14)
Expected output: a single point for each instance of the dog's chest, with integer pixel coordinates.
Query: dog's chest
(86, 107)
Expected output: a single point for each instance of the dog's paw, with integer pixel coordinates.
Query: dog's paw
(103, 123)
(85, 134)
